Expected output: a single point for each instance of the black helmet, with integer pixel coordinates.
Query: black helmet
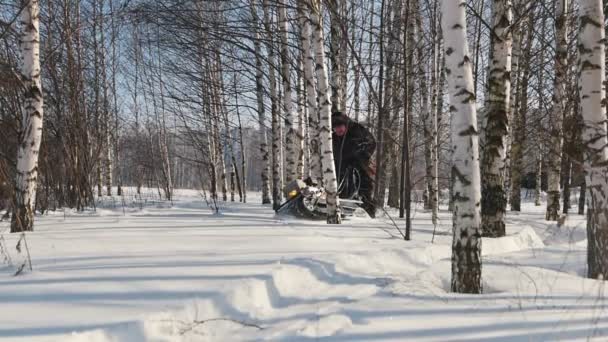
(338, 118)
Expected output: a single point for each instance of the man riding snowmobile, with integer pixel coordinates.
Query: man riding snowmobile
(353, 148)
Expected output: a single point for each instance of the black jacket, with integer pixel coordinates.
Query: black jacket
(355, 148)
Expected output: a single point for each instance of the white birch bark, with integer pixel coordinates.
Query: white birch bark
(554, 160)
(27, 152)
(311, 92)
(336, 56)
(327, 156)
(466, 245)
(288, 114)
(539, 178)
(217, 117)
(519, 103)
(259, 88)
(436, 110)
(300, 133)
(592, 96)
(106, 141)
(494, 198)
(277, 158)
(429, 118)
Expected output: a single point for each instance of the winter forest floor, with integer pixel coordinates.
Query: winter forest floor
(162, 272)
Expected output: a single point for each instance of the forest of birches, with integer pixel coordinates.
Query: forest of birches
(476, 106)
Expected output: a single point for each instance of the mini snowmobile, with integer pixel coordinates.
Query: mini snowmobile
(305, 199)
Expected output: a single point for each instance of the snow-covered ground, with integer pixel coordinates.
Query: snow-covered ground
(162, 272)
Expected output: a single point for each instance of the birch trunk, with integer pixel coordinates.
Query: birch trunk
(106, 140)
(162, 130)
(386, 153)
(567, 176)
(311, 93)
(243, 181)
(259, 89)
(27, 152)
(357, 66)
(557, 114)
(436, 111)
(429, 118)
(228, 136)
(539, 177)
(276, 128)
(336, 56)
(327, 156)
(116, 129)
(300, 134)
(511, 110)
(466, 245)
(288, 114)
(219, 144)
(494, 200)
(592, 96)
(519, 114)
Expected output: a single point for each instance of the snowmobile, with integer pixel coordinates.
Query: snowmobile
(305, 199)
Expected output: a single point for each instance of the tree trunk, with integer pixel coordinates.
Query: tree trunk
(557, 114)
(288, 115)
(592, 96)
(259, 90)
(519, 115)
(387, 134)
(243, 177)
(466, 245)
(277, 160)
(567, 176)
(106, 117)
(311, 93)
(429, 114)
(582, 199)
(337, 54)
(379, 191)
(494, 201)
(539, 178)
(116, 129)
(27, 152)
(330, 182)
(477, 50)
(300, 133)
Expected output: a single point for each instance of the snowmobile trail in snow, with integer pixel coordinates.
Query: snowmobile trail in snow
(182, 273)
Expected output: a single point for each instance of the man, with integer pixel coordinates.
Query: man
(353, 148)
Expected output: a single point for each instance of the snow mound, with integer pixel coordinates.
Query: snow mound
(293, 283)
(524, 239)
(318, 281)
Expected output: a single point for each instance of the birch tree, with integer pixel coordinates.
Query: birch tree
(330, 182)
(466, 244)
(554, 160)
(592, 95)
(31, 136)
(311, 92)
(494, 198)
(519, 112)
(429, 118)
(337, 55)
(259, 91)
(288, 114)
(277, 159)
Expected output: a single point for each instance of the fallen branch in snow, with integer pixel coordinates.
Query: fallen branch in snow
(191, 325)
(28, 259)
(393, 221)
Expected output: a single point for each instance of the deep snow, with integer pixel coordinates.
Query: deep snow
(177, 272)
